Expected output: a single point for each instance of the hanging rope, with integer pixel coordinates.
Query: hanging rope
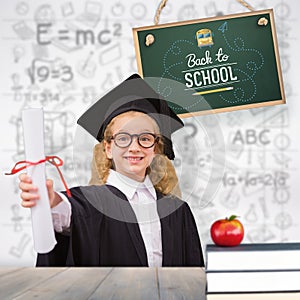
(247, 5)
(164, 2)
(158, 11)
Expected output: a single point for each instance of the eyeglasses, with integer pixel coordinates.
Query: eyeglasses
(124, 139)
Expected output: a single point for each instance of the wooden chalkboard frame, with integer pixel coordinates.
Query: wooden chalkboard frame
(269, 12)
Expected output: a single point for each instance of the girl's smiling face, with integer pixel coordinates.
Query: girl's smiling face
(133, 160)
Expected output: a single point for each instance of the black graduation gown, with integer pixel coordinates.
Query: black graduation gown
(96, 239)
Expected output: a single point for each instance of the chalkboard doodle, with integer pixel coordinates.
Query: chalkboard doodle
(227, 62)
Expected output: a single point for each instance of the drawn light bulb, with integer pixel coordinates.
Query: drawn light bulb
(18, 53)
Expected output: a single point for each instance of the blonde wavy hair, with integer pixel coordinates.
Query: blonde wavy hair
(161, 170)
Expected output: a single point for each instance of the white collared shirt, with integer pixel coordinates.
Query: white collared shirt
(142, 198)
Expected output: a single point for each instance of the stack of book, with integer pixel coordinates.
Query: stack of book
(253, 271)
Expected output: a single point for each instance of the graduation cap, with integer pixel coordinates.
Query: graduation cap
(132, 94)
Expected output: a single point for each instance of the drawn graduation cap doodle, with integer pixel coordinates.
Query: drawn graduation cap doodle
(132, 94)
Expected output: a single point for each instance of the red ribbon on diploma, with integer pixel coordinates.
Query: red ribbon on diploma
(51, 159)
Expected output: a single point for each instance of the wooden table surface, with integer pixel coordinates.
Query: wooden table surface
(102, 283)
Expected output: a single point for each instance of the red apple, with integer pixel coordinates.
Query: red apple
(227, 232)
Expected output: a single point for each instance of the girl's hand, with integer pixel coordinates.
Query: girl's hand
(30, 193)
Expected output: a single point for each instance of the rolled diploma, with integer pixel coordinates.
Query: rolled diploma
(42, 226)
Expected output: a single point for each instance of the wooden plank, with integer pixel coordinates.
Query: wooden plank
(16, 283)
(74, 283)
(102, 283)
(181, 283)
(128, 283)
(7, 270)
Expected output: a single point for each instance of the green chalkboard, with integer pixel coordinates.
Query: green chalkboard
(220, 64)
